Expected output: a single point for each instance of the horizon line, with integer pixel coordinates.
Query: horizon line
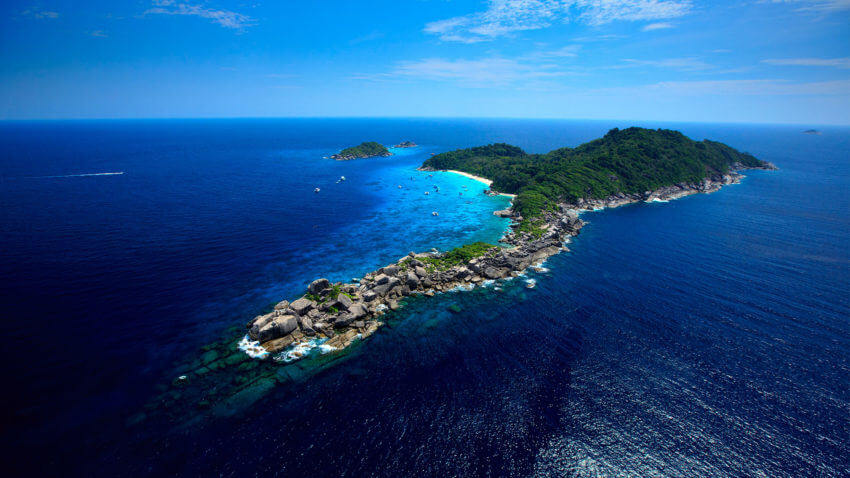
(529, 118)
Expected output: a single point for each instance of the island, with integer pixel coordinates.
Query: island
(811, 131)
(406, 144)
(369, 149)
(551, 189)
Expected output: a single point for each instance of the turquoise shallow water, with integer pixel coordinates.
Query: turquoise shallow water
(705, 336)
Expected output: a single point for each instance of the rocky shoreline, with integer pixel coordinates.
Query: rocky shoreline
(339, 313)
(349, 157)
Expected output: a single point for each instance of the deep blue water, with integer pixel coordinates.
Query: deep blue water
(705, 336)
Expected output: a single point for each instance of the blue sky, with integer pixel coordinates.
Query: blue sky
(670, 60)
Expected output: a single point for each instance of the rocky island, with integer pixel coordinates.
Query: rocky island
(551, 189)
(363, 150)
(406, 144)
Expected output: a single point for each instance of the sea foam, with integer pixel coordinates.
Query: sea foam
(299, 350)
(252, 348)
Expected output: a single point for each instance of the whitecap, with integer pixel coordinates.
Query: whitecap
(530, 283)
(252, 348)
(299, 350)
(462, 288)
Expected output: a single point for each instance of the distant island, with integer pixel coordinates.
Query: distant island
(624, 166)
(406, 144)
(811, 131)
(363, 150)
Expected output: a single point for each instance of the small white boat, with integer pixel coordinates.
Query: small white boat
(427, 193)
(342, 178)
(434, 213)
(399, 186)
(316, 190)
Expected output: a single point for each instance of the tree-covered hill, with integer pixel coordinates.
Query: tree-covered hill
(363, 150)
(628, 161)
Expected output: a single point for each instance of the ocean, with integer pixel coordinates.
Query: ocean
(706, 336)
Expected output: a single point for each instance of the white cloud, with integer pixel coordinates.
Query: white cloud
(687, 64)
(828, 62)
(225, 18)
(569, 51)
(40, 14)
(822, 5)
(763, 87)
(480, 73)
(503, 17)
(656, 26)
(599, 38)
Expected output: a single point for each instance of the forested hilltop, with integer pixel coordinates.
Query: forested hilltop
(628, 161)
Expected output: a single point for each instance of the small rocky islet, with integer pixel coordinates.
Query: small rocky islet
(365, 150)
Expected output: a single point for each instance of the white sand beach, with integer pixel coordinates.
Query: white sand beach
(479, 179)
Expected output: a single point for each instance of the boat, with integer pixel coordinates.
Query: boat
(399, 186)
(434, 213)
(342, 178)
(427, 193)
(316, 190)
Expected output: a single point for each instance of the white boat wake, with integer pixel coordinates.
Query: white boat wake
(117, 173)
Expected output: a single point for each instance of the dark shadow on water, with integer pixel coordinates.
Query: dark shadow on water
(447, 388)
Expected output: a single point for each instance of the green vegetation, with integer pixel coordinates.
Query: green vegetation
(333, 293)
(457, 256)
(363, 150)
(532, 226)
(629, 161)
